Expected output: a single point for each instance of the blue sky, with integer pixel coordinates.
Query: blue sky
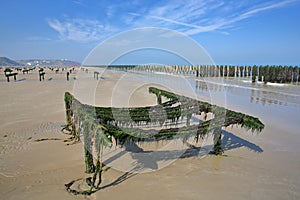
(232, 32)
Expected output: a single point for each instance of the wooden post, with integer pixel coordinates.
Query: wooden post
(218, 141)
(96, 75)
(41, 74)
(8, 73)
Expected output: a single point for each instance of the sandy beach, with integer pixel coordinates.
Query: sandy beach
(255, 166)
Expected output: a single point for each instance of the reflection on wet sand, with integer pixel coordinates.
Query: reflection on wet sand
(258, 94)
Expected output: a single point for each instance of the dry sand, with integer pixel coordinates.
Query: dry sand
(264, 166)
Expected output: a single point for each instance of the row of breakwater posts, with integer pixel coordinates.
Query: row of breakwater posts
(8, 72)
(267, 73)
(14, 71)
(101, 127)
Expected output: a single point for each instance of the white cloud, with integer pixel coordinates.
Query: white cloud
(194, 17)
(267, 7)
(110, 11)
(80, 30)
(79, 2)
(187, 16)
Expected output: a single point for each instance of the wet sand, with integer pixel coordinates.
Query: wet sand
(263, 166)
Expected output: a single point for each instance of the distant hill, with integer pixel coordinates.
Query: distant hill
(48, 62)
(4, 61)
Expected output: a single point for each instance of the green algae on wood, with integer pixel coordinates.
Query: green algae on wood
(99, 125)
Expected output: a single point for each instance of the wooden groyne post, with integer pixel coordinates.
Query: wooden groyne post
(8, 73)
(96, 75)
(41, 74)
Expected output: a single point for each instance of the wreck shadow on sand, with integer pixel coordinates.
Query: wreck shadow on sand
(229, 142)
